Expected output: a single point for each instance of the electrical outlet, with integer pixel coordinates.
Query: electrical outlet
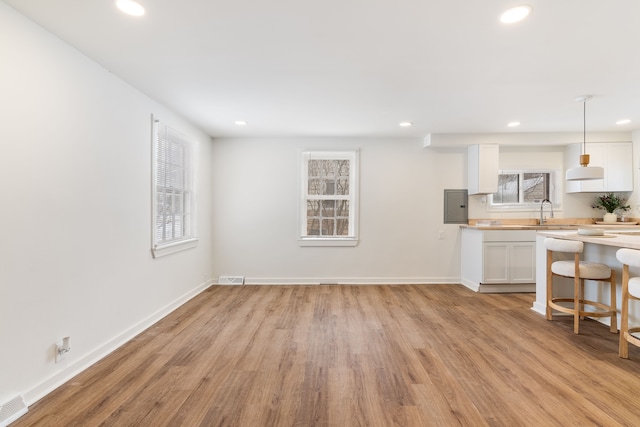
(441, 235)
(62, 348)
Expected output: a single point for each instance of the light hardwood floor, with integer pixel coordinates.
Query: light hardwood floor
(431, 355)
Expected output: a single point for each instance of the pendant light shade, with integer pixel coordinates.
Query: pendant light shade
(584, 172)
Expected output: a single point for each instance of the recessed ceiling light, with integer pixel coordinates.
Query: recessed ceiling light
(513, 124)
(240, 122)
(130, 7)
(405, 124)
(623, 122)
(515, 14)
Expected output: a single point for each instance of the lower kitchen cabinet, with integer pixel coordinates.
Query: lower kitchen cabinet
(498, 260)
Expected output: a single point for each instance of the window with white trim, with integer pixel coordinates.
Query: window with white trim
(328, 202)
(173, 191)
(524, 189)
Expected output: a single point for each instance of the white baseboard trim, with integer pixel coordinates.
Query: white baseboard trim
(55, 381)
(508, 288)
(471, 285)
(350, 280)
(501, 288)
(539, 308)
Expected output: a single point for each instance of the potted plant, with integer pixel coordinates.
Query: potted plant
(611, 203)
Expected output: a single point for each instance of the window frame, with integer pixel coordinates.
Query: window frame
(554, 192)
(189, 237)
(311, 240)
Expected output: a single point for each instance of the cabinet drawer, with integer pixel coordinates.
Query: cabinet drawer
(509, 236)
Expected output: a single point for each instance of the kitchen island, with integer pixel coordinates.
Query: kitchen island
(597, 249)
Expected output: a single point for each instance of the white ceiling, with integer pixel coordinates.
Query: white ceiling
(359, 67)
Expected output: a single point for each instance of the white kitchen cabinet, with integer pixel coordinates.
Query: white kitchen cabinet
(615, 157)
(482, 168)
(498, 260)
(508, 262)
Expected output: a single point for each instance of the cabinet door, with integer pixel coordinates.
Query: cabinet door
(618, 172)
(482, 168)
(495, 266)
(522, 262)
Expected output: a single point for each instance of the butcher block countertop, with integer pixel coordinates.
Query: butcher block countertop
(550, 224)
(621, 237)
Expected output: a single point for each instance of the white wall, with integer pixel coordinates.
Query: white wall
(401, 213)
(75, 211)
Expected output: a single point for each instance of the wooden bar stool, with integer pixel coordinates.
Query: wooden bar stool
(630, 290)
(579, 271)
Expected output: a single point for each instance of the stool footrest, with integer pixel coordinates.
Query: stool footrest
(606, 310)
(633, 340)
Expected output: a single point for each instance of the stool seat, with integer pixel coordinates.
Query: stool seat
(579, 271)
(634, 287)
(588, 270)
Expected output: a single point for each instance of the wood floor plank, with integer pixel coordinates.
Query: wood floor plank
(412, 355)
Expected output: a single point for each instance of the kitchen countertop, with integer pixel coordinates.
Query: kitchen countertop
(552, 226)
(625, 237)
(524, 227)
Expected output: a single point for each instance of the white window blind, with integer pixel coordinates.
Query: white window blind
(173, 191)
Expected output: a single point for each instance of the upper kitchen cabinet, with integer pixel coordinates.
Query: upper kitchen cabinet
(615, 157)
(482, 169)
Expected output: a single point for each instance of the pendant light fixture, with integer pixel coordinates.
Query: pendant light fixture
(584, 172)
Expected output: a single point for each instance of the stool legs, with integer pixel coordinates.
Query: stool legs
(577, 306)
(623, 347)
(613, 327)
(549, 285)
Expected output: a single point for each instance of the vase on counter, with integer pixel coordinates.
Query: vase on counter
(610, 217)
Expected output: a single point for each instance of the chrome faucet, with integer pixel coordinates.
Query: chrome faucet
(542, 218)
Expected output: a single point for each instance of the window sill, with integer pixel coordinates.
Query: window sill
(171, 248)
(312, 241)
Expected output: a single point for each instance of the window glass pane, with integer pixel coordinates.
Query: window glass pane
(535, 187)
(328, 227)
(176, 154)
(177, 203)
(177, 226)
(314, 186)
(161, 174)
(329, 188)
(328, 208)
(343, 168)
(329, 169)
(160, 221)
(314, 167)
(508, 189)
(313, 208)
(342, 187)
(176, 178)
(160, 203)
(342, 208)
(342, 227)
(313, 226)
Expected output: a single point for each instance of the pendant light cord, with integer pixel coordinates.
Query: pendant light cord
(584, 127)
